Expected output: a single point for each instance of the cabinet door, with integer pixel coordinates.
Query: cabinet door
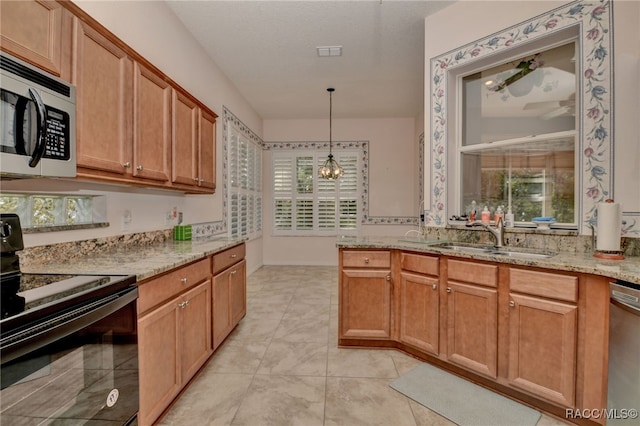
(104, 80)
(472, 327)
(207, 157)
(38, 32)
(365, 296)
(158, 360)
(221, 308)
(195, 329)
(419, 311)
(152, 125)
(237, 292)
(542, 347)
(185, 140)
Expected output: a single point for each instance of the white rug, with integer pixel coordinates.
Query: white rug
(461, 401)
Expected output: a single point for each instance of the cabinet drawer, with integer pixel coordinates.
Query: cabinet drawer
(366, 259)
(473, 273)
(422, 264)
(223, 260)
(545, 284)
(158, 290)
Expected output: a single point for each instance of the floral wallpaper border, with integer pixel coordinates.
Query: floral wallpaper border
(596, 123)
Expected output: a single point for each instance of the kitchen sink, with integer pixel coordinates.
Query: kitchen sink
(523, 254)
(465, 248)
(504, 251)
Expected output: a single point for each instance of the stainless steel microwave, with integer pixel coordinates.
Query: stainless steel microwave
(37, 120)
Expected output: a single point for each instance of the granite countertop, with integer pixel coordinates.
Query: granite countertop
(627, 269)
(144, 261)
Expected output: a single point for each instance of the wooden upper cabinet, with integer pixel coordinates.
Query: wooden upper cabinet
(152, 125)
(207, 158)
(103, 76)
(38, 32)
(185, 139)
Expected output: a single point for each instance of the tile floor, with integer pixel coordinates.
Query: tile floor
(281, 365)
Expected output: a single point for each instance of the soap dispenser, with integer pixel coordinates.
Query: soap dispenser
(486, 215)
(509, 219)
(499, 214)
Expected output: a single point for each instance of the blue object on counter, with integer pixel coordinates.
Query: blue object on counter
(543, 219)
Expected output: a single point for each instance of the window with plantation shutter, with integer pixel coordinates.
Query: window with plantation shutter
(305, 204)
(244, 183)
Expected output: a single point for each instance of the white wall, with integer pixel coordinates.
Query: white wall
(393, 180)
(477, 19)
(151, 28)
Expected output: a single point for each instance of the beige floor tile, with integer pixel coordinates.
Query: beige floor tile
(238, 356)
(366, 402)
(212, 399)
(551, 421)
(283, 401)
(295, 359)
(303, 330)
(361, 363)
(426, 417)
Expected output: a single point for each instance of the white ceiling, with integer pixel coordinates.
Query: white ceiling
(268, 49)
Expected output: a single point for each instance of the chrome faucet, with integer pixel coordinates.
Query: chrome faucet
(497, 232)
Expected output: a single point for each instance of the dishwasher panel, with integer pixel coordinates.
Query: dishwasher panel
(624, 354)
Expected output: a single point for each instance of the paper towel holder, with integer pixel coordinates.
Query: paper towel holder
(605, 254)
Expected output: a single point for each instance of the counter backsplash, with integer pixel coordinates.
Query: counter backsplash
(553, 240)
(76, 249)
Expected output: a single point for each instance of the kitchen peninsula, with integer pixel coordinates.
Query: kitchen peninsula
(532, 328)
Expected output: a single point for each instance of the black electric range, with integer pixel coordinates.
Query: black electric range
(28, 298)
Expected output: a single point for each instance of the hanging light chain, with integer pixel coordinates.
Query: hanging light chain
(331, 170)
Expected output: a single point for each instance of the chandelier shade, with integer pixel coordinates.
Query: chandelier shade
(330, 170)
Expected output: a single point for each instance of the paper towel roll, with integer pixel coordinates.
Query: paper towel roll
(609, 226)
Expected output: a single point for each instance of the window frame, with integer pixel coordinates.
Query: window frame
(243, 222)
(318, 158)
(456, 172)
(592, 22)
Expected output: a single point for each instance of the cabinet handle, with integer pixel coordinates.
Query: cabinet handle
(233, 256)
(183, 280)
(448, 289)
(126, 165)
(183, 305)
(512, 303)
(388, 277)
(139, 168)
(434, 286)
(234, 272)
(366, 260)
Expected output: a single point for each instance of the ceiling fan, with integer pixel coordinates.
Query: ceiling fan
(555, 108)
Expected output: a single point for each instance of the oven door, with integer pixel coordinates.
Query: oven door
(78, 368)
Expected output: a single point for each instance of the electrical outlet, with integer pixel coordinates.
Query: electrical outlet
(126, 219)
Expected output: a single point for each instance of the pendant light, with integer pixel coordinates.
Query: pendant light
(330, 170)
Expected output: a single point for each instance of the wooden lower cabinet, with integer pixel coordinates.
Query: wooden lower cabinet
(174, 334)
(537, 335)
(472, 316)
(229, 301)
(543, 334)
(472, 327)
(418, 302)
(229, 292)
(174, 341)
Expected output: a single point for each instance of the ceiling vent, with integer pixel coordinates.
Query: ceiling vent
(329, 51)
